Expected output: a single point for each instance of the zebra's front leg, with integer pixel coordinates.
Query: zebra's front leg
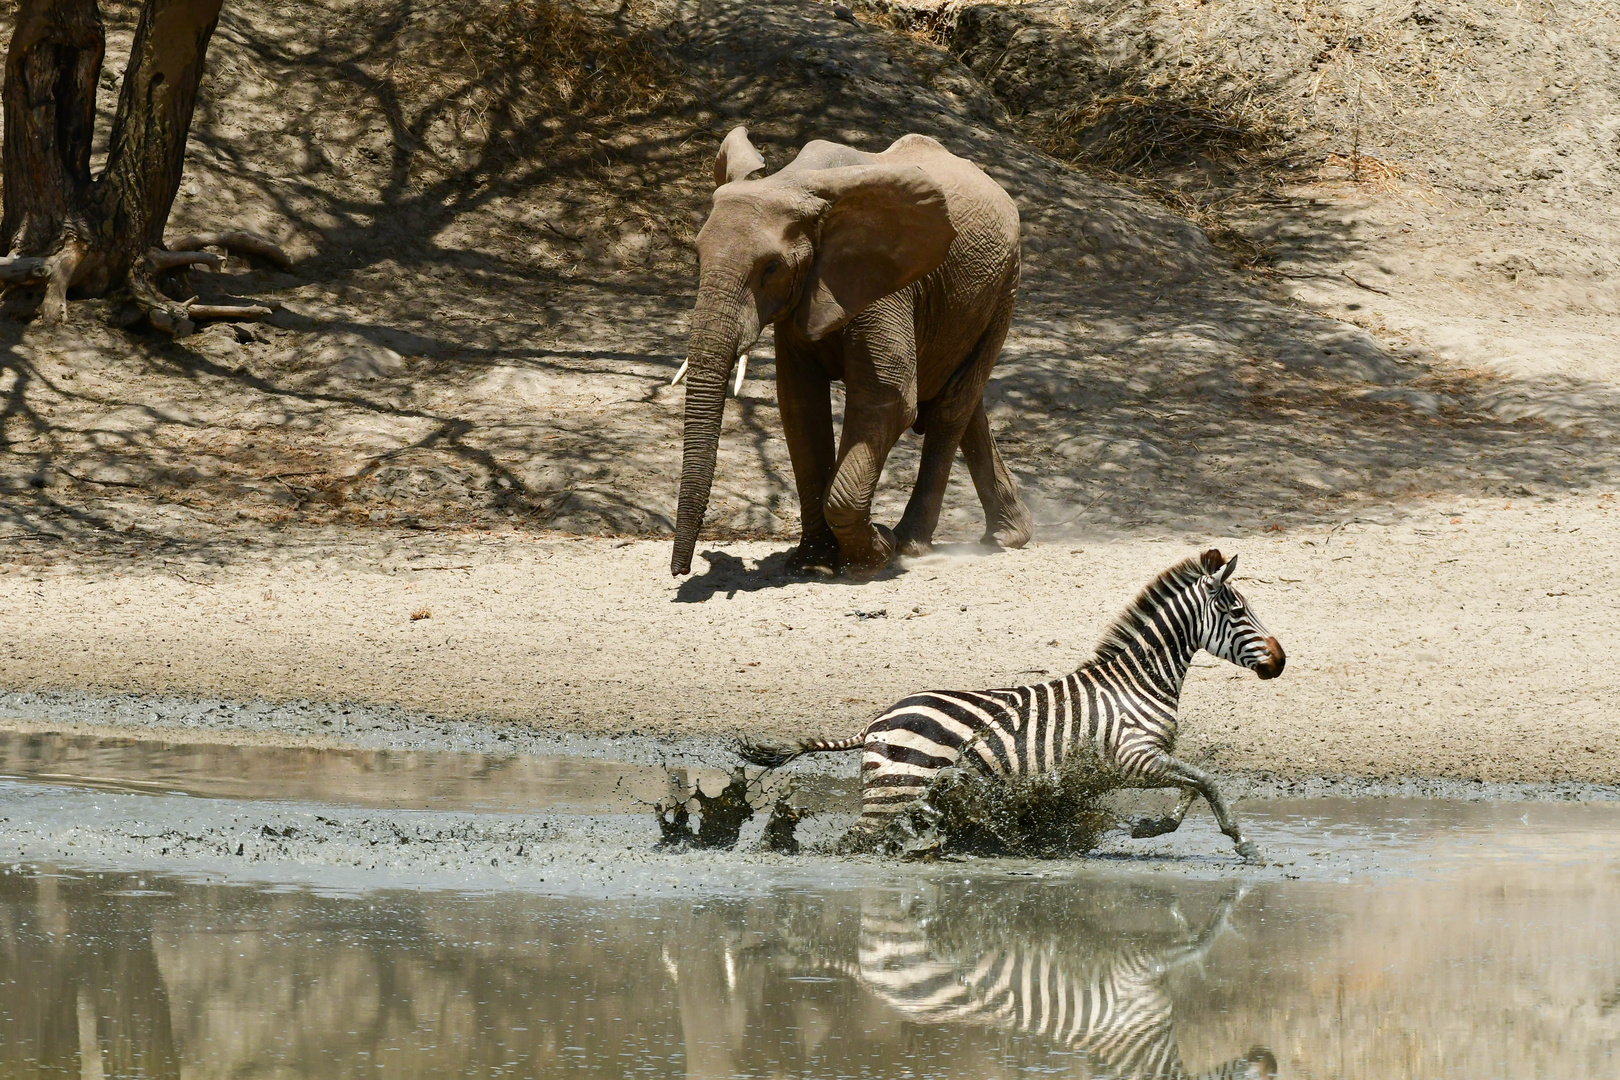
(1186, 776)
(1146, 827)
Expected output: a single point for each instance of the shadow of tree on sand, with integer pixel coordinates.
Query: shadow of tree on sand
(490, 301)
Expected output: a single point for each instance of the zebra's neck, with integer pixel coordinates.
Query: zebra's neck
(1158, 670)
(1154, 638)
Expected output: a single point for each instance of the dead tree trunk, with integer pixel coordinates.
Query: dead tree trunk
(98, 235)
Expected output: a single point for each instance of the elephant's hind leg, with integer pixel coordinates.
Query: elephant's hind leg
(1007, 521)
(942, 434)
(947, 421)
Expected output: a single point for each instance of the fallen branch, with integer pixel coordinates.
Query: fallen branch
(238, 240)
(228, 311)
(1364, 285)
(572, 239)
(103, 483)
(168, 260)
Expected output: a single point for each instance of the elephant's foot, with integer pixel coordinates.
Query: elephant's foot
(866, 565)
(816, 555)
(1012, 529)
(913, 547)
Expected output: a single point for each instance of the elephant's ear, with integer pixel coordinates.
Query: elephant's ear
(885, 226)
(737, 160)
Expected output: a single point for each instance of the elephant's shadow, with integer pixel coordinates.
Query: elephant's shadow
(730, 575)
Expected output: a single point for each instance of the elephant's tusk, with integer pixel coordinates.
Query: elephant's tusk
(681, 374)
(742, 369)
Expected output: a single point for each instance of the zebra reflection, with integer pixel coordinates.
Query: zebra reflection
(1111, 1006)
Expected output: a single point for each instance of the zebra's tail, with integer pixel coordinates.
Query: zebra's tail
(774, 757)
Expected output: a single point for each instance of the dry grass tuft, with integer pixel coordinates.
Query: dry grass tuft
(510, 66)
(1143, 133)
(421, 613)
(1380, 176)
(578, 60)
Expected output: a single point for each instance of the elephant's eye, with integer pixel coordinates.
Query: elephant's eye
(769, 270)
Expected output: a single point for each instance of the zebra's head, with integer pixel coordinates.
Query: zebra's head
(1234, 633)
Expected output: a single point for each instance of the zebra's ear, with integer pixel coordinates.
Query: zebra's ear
(1211, 560)
(1226, 571)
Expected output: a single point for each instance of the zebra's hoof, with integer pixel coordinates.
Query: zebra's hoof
(923, 849)
(1250, 851)
(1153, 826)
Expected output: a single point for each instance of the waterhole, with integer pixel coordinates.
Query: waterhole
(1494, 973)
(218, 911)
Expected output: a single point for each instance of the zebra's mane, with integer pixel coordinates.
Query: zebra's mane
(1118, 637)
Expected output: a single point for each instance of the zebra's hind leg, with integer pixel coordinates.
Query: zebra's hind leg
(1178, 772)
(1146, 827)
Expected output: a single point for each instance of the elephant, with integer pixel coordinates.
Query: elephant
(894, 272)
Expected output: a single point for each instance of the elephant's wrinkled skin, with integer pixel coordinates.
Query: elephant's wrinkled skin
(894, 272)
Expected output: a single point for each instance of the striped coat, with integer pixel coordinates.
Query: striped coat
(1111, 1006)
(1116, 714)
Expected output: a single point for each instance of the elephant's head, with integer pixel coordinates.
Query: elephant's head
(812, 245)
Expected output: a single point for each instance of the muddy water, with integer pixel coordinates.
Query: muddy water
(1493, 950)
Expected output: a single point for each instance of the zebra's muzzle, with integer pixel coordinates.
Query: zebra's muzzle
(1273, 666)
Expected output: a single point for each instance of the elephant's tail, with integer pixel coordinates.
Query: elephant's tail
(774, 757)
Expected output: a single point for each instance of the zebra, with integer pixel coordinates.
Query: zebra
(1111, 1006)
(1119, 708)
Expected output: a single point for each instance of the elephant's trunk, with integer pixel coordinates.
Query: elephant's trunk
(712, 350)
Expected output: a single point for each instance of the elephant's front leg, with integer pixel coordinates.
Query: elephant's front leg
(804, 396)
(865, 546)
(880, 403)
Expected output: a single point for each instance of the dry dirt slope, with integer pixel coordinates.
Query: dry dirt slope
(1480, 217)
(490, 300)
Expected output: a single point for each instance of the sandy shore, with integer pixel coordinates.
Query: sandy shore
(1463, 639)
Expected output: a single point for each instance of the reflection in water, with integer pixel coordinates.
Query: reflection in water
(87, 998)
(1108, 1001)
(1508, 968)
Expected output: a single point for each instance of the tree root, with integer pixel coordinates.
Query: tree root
(179, 317)
(238, 241)
(23, 270)
(60, 271)
(56, 271)
(170, 316)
